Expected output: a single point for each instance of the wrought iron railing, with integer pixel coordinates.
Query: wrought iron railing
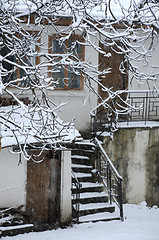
(140, 106)
(110, 177)
(76, 185)
(144, 106)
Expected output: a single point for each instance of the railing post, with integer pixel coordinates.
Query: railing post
(146, 110)
(95, 126)
(99, 164)
(110, 184)
(78, 185)
(120, 199)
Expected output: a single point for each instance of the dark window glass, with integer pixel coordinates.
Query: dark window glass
(8, 72)
(73, 79)
(74, 47)
(58, 74)
(57, 47)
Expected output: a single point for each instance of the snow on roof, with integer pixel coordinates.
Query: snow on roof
(119, 8)
(28, 128)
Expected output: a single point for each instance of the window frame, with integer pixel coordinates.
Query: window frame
(81, 56)
(16, 60)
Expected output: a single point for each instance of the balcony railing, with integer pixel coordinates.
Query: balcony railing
(140, 105)
(145, 106)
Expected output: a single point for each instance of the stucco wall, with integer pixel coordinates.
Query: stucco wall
(12, 180)
(135, 153)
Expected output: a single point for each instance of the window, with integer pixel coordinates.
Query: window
(8, 71)
(66, 61)
(25, 55)
(29, 58)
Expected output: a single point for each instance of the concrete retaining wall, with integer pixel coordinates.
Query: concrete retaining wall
(135, 153)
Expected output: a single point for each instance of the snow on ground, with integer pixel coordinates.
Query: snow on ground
(141, 223)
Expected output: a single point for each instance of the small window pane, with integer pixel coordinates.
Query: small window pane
(74, 47)
(73, 79)
(8, 73)
(29, 61)
(57, 47)
(58, 75)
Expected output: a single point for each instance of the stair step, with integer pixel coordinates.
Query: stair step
(106, 216)
(89, 187)
(92, 208)
(81, 168)
(80, 159)
(83, 177)
(92, 197)
(91, 184)
(95, 206)
(6, 219)
(93, 194)
(14, 230)
(84, 146)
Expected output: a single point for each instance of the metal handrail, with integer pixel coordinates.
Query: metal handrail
(110, 177)
(140, 105)
(76, 195)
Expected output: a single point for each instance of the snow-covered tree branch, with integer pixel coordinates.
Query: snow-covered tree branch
(42, 45)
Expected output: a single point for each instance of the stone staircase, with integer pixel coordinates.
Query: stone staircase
(94, 204)
(13, 222)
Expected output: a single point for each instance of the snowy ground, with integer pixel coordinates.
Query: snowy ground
(141, 223)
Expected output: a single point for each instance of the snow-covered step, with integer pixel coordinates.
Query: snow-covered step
(93, 194)
(14, 230)
(6, 219)
(92, 208)
(83, 146)
(83, 177)
(92, 197)
(91, 185)
(80, 159)
(81, 168)
(105, 216)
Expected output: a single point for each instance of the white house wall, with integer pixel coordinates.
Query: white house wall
(80, 102)
(12, 180)
(146, 67)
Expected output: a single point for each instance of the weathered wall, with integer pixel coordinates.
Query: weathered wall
(44, 189)
(135, 153)
(152, 167)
